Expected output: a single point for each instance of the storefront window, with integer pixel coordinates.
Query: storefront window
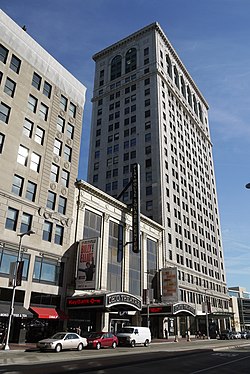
(114, 259)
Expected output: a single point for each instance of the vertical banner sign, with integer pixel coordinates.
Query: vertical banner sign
(136, 207)
(87, 264)
(19, 273)
(12, 274)
(170, 290)
(120, 244)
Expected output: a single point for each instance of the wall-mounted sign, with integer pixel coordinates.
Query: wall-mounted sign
(182, 307)
(170, 290)
(87, 301)
(86, 264)
(123, 298)
(136, 203)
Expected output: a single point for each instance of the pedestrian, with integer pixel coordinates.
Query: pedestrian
(166, 333)
(78, 330)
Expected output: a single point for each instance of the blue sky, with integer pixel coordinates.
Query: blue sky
(212, 39)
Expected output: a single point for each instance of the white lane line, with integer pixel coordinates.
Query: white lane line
(217, 366)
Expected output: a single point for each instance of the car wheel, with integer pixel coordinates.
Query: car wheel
(114, 345)
(58, 348)
(80, 347)
(98, 345)
(132, 344)
(146, 343)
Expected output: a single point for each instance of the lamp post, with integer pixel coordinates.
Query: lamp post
(207, 321)
(14, 284)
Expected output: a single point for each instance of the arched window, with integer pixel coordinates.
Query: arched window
(183, 87)
(195, 104)
(169, 66)
(176, 77)
(189, 96)
(116, 67)
(130, 60)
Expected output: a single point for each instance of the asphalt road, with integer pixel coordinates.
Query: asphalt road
(182, 357)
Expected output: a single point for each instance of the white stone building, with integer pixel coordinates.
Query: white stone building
(148, 110)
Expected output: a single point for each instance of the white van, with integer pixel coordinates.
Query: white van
(133, 335)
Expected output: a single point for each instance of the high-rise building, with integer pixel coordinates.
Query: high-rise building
(148, 110)
(41, 109)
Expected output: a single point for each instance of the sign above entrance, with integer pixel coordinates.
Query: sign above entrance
(87, 301)
(118, 298)
(182, 307)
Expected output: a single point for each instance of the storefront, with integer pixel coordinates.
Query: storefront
(103, 311)
(167, 320)
(21, 316)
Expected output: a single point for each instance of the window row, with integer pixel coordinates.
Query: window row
(15, 62)
(49, 230)
(37, 83)
(23, 158)
(45, 270)
(55, 175)
(33, 105)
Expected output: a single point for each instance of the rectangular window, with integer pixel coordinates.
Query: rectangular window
(39, 135)
(4, 112)
(28, 128)
(9, 87)
(17, 185)
(54, 173)
(31, 191)
(59, 235)
(36, 81)
(47, 88)
(22, 156)
(26, 222)
(11, 220)
(65, 178)
(70, 131)
(62, 205)
(47, 231)
(51, 200)
(15, 64)
(7, 257)
(46, 271)
(35, 162)
(67, 153)
(72, 110)
(43, 111)
(57, 147)
(2, 137)
(3, 53)
(63, 103)
(32, 103)
(60, 124)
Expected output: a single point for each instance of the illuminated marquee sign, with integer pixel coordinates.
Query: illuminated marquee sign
(123, 298)
(91, 301)
(177, 308)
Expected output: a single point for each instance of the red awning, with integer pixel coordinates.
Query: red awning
(45, 313)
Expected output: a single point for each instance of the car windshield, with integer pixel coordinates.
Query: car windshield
(127, 330)
(95, 335)
(58, 336)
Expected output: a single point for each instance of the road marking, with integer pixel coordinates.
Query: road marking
(217, 366)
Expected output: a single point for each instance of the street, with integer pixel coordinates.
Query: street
(211, 356)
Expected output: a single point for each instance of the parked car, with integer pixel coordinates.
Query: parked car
(62, 340)
(134, 335)
(248, 335)
(99, 340)
(236, 335)
(243, 334)
(226, 335)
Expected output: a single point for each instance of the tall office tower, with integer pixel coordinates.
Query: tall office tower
(148, 110)
(41, 108)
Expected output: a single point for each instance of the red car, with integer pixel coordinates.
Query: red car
(102, 339)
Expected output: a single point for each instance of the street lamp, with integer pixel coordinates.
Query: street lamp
(206, 309)
(14, 284)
